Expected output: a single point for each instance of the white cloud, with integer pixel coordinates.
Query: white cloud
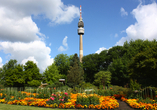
(16, 22)
(116, 35)
(123, 31)
(61, 48)
(100, 49)
(24, 29)
(65, 44)
(146, 25)
(123, 12)
(65, 41)
(49, 44)
(1, 64)
(54, 10)
(31, 58)
(35, 51)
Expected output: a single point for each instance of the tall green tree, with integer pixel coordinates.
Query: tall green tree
(122, 56)
(144, 66)
(62, 61)
(12, 75)
(75, 75)
(90, 66)
(120, 75)
(115, 52)
(1, 76)
(103, 61)
(51, 74)
(102, 78)
(32, 75)
(134, 47)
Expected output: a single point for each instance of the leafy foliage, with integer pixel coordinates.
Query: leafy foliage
(32, 74)
(102, 77)
(51, 74)
(12, 74)
(144, 67)
(134, 85)
(90, 66)
(120, 75)
(62, 61)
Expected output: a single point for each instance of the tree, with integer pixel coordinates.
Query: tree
(32, 74)
(17, 76)
(75, 75)
(144, 66)
(102, 78)
(121, 56)
(103, 60)
(120, 75)
(12, 75)
(51, 74)
(1, 76)
(113, 53)
(62, 61)
(90, 66)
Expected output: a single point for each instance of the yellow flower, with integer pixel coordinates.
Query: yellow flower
(51, 105)
(72, 106)
(47, 105)
(85, 106)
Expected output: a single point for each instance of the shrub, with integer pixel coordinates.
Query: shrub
(56, 84)
(87, 86)
(134, 85)
(119, 90)
(87, 99)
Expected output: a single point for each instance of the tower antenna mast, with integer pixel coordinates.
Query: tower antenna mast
(80, 12)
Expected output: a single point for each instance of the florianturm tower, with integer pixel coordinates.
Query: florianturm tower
(80, 33)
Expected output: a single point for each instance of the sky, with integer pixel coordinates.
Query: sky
(39, 30)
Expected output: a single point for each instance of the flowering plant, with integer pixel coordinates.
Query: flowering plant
(58, 98)
(85, 99)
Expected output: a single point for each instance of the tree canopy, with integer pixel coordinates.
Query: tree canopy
(12, 74)
(102, 78)
(90, 66)
(51, 74)
(31, 73)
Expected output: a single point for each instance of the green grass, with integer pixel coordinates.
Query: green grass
(19, 107)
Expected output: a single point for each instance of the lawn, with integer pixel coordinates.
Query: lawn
(19, 107)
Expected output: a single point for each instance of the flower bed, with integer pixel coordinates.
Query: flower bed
(63, 100)
(140, 105)
(105, 102)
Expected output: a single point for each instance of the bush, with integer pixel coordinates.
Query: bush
(56, 85)
(106, 92)
(87, 86)
(119, 90)
(87, 100)
(134, 85)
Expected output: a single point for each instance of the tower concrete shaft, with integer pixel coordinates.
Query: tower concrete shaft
(81, 32)
(81, 48)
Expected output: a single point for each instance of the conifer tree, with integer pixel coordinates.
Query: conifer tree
(75, 75)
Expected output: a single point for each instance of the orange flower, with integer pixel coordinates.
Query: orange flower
(91, 106)
(61, 105)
